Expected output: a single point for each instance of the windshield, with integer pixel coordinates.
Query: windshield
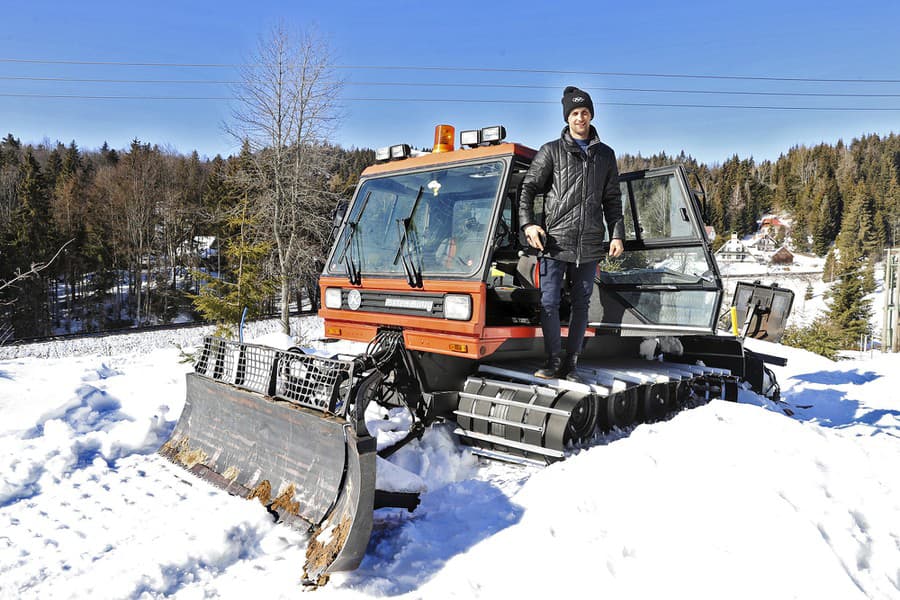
(449, 224)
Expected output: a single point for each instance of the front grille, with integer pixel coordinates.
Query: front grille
(399, 303)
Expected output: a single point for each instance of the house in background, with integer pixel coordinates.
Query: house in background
(734, 250)
(763, 243)
(774, 226)
(782, 256)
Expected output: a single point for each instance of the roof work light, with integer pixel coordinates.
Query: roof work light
(487, 135)
(470, 138)
(382, 154)
(400, 151)
(494, 134)
(396, 152)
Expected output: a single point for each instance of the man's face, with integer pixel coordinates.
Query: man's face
(580, 123)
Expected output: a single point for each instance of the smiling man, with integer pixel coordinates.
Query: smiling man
(578, 176)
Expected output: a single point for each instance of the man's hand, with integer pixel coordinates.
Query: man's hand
(534, 234)
(616, 248)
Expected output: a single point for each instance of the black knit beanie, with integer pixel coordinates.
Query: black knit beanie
(574, 98)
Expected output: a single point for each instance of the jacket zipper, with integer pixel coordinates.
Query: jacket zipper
(579, 241)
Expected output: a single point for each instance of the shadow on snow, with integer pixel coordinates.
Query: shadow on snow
(93, 410)
(832, 408)
(838, 377)
(405, 550)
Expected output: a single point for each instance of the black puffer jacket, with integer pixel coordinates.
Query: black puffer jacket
(579, 192)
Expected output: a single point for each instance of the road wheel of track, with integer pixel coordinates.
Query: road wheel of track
(654, 402)
(583, 420)
(578, 425)
(682, 395)
(618, 410)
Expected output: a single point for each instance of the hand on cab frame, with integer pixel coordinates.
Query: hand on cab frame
(616, 248)
(535, 235)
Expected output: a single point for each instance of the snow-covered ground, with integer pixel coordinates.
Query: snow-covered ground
(727, 500)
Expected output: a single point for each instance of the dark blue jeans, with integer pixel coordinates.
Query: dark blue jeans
(581, 278)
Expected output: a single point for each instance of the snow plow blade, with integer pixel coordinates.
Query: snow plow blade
(261, 423)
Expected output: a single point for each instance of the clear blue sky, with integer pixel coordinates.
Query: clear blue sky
(806, 40)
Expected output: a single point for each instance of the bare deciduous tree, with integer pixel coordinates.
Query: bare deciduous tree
(286, 109)
(34, 269)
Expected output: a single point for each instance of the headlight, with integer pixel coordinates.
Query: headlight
(333, 297)
(458, 307)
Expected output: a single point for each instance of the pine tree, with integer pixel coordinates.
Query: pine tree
(223, 301)
(820, 337)
(800, 232)
(828, 269)
(849, 312)
(32, 241)
(828, 216)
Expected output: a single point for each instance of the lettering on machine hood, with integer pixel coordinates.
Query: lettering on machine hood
(413, 303)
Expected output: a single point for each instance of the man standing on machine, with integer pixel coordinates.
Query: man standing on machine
(578, 176)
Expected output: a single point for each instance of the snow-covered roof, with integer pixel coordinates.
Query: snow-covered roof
(762, 240)
(732, 246)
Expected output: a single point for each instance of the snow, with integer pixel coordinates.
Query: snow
(725, 500)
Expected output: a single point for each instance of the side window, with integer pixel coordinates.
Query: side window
(516, 180)
(659, 215)
(626, 211)
(662, 212)
(505, 235)
(538, 218)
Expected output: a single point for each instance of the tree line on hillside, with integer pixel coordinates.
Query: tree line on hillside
(131, 221)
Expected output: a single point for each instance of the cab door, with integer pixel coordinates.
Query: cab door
(667, 282)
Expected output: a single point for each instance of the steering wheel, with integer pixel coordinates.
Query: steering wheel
(447, 254)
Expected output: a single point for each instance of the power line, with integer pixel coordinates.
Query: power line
(615, 74)
(114, 63)
(629, 89)
(99, 97)
(644, 104)
(468, 85)
(471, 101)
(78, 80)
(460, 69)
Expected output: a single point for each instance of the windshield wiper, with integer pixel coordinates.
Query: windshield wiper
(409, 245)
(353, 273)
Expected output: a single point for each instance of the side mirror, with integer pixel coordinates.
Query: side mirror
(337, 216)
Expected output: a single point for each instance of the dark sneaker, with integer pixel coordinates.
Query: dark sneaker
(569, 370)
(550, 370)
(576, 378)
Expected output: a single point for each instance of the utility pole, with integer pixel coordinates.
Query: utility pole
(890, 334)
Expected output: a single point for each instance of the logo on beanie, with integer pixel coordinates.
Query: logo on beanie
(577, 99)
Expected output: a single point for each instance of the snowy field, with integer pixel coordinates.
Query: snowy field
(727, 500)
